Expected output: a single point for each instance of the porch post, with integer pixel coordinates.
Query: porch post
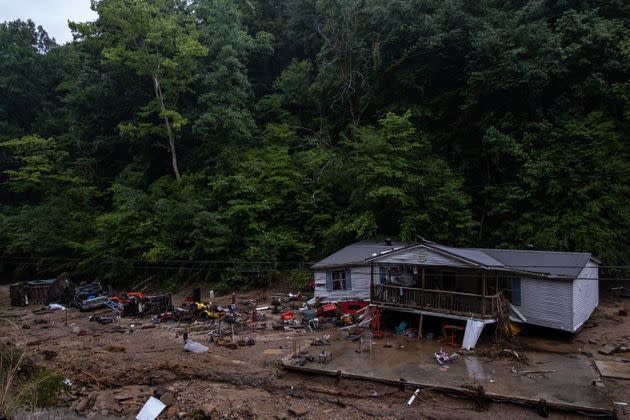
(483, 294)
(424, 285)
(371, 280)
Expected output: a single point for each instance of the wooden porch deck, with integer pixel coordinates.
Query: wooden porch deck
(441, 301)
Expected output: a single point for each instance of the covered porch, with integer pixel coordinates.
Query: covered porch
(457, 291)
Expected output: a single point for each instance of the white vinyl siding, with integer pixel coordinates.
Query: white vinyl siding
(360, 290)
(548, 303)
(585, 294)
(422, 256)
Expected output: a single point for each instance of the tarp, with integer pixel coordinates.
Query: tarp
(472, 333)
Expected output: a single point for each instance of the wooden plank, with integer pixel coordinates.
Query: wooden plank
(609, 349)
(609, 369)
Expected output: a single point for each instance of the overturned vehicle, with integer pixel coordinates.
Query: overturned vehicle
(86, 295)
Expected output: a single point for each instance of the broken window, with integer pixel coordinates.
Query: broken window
(339, 280)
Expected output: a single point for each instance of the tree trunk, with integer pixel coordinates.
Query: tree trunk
(169, 130)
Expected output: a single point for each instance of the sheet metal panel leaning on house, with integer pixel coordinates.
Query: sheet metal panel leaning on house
(551, 289)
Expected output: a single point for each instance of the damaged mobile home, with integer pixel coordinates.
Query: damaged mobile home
(557, 290)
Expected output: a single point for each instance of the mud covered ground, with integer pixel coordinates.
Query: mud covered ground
(115, 368)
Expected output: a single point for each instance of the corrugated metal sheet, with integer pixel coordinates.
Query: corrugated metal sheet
(421, 255)
(585, 294)
(548, 303)
(361, 279)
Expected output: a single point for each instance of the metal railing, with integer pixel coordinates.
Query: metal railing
(457, 303)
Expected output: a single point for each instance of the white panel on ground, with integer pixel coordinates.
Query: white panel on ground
(472, 333)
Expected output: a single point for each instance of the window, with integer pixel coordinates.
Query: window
(400, 275)
(511, 288)
(516, 292)
(339, 280)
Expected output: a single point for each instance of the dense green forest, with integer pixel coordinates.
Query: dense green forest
(237, 140)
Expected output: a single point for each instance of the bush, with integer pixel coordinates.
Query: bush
(21, 384)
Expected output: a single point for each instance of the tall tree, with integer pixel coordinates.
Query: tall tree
(159, 40)
(224, 92)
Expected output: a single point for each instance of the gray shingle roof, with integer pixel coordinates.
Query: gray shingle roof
(476, 255)
(550, 263)
(358, 253)
(566, 264)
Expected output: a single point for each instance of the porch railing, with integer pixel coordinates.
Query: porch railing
(456, 303)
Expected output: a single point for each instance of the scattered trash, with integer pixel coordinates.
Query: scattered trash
(194, 347)
(247, 341)
(103, 319)
(321, 341)
(609, 349)
(327, 311)
(413, 397)
(622, 407)
(151, 409)
(56, 307)
(309, 314)
(444, 358)
(67, 382)
(325, 356)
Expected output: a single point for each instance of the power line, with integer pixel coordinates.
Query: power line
(505, 275)
(4, 258)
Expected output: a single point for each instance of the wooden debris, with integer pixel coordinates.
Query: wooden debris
(609, 349)
(610, 369)
(525, 372)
